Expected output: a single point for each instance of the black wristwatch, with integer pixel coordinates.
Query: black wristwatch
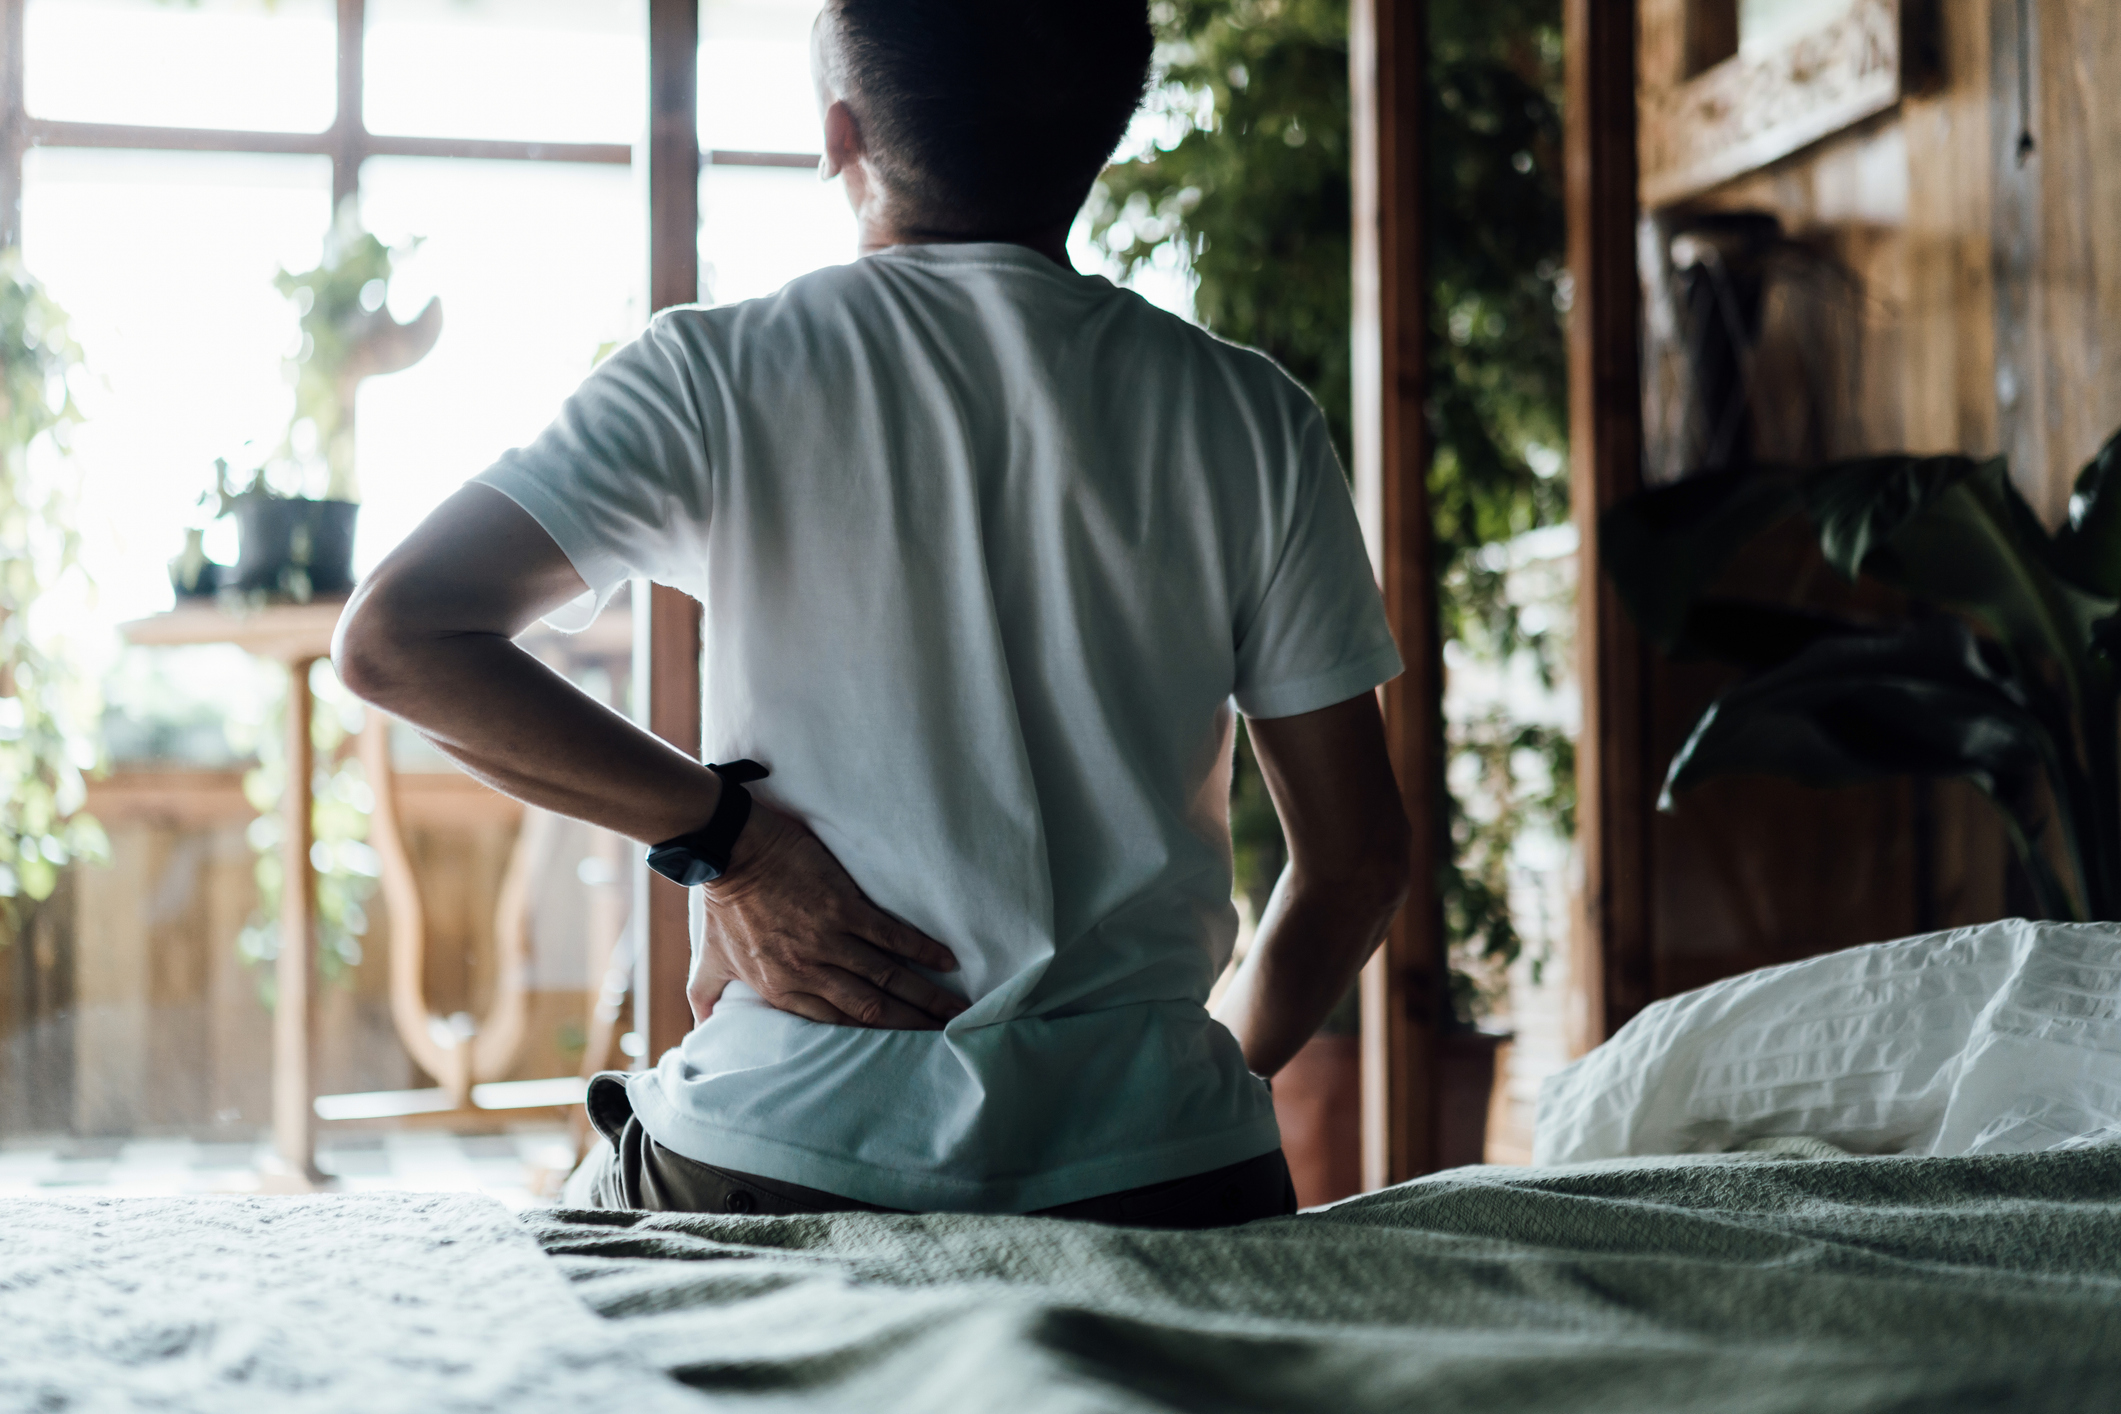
(702, 856)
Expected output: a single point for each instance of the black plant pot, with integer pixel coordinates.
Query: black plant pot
(298, 548)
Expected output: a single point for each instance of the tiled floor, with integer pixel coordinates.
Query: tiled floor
(521, 1167)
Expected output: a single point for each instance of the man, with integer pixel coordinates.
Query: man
(988, 549)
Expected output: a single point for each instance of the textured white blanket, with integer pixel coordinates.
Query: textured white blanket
(1999, 1039)
(373, 1302)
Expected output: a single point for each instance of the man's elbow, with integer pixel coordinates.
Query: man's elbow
(1373, 872)
(367, 648)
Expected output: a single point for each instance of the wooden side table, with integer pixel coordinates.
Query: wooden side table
(295, 635)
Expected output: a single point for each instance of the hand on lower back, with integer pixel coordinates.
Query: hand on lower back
(789, 923)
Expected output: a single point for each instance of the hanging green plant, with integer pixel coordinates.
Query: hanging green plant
(45, 709)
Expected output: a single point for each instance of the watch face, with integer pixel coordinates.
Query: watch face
(681, 865)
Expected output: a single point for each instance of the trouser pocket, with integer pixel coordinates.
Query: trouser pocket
(608, 1107)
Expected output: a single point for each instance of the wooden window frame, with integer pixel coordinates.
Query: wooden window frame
(347, 142)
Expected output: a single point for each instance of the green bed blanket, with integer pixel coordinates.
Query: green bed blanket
(1734, 1285)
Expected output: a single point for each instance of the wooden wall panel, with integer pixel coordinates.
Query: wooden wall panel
(1979, 284)
(2057, 251)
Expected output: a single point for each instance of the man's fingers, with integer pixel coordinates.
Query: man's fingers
(908, 942)
(865, 1004)
(888, 975)
(813, 1008)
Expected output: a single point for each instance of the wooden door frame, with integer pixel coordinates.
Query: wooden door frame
(666, 620)
(1405, 987)
(1616, 791)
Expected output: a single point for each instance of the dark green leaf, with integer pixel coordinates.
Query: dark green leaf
(1666, 545)
(1861, 504)
(1922, 700)
(2088, 547)
(1926, 700)
(1955, 532)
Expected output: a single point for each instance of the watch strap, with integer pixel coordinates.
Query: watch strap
(702, 856)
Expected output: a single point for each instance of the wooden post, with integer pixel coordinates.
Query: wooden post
(1605, 438)
(1404, 988)
(667, 651)
(293, 1049)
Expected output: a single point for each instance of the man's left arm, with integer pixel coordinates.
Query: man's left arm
(428, 638)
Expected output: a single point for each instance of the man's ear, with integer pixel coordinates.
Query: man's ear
(843, 139)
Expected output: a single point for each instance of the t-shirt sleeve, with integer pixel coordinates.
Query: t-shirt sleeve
(1319, 634)
(620, 479)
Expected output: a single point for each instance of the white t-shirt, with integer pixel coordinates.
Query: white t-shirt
(987, 550)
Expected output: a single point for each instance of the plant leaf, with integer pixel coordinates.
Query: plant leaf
(1925, 700)
(2088, 547)
(1955, 531)
(1862, 503)
(1664, 546)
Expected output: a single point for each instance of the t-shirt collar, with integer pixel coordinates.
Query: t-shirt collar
(977, 253)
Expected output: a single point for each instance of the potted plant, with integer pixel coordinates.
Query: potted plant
(292, 545)
(2005, 671)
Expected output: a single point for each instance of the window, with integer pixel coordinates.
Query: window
(178, 155)
(170, 156)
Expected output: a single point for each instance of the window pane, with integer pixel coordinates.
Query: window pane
(535, 70)
(165, 263)
(1770, 24)
(760, 227)
(537, 265)
(755, 91)
(259, 64)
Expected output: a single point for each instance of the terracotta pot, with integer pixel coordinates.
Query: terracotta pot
(1465, 1089)
(1318, 1103)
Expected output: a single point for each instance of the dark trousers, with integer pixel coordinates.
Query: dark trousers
(643, 1174)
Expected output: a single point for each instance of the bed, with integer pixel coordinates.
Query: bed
(1734, 1283)
(1790, 1276)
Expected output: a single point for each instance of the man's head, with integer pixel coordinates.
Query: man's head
(980, 117)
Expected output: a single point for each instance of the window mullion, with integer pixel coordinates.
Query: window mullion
(349, 130)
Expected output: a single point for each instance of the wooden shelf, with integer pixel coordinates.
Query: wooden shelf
(283, 631)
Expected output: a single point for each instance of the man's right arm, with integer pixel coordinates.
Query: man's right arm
(1332, 784)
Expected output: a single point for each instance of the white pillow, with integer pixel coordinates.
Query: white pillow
(2001, 1038)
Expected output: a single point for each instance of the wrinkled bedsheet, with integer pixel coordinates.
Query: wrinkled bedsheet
(1732, 1284)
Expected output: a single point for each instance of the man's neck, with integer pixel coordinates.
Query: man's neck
(1049, 241)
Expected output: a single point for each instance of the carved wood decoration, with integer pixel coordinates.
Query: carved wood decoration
(457, 1055)
(1751, 110)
